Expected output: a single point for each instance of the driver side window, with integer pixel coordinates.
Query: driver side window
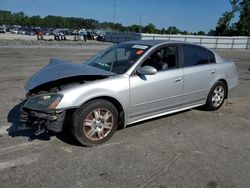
(163, 58)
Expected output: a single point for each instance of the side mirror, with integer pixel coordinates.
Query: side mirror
(147, 70)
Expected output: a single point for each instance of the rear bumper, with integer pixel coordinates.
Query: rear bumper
(52, 121)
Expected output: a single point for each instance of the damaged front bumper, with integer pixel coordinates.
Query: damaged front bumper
(43, 121)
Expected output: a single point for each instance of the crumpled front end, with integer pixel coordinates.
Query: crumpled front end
(39, 112)
(44, 92)
(43, 121)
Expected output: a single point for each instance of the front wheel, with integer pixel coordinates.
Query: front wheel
(95, 122)
(216, 96)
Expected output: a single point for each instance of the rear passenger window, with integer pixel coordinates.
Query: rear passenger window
(194, 55)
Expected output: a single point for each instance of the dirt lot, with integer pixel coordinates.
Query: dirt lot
(189, 149)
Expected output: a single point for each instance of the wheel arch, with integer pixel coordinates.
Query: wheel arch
(225, 82)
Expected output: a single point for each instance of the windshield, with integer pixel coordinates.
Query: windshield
(118, 59)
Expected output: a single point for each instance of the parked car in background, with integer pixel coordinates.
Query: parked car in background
(29, 31)
(59, 35)
(2, 30)
(100, 37)
(57, 32)
(14, 31)
(75, 32)
(91, 35)
(21, 31)
(82, 32)
(127, 83)
(15, 28)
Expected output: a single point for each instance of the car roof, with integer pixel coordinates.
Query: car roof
(151, 42)
(159, 42)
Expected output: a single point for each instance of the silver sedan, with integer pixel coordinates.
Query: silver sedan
(127, 83)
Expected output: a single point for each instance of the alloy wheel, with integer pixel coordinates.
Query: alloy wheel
(98, 124)
(218, 96)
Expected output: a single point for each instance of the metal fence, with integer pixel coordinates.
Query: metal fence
(208, 41)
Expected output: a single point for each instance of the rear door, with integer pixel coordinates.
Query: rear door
(199, 69)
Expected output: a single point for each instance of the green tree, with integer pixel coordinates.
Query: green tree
(243, 25)
(184, 32)
(20, 18)
(6, 17)
(201, 33)
(34, 21)
(173, 30)
(150, 28)
(211, 32)
(224, 23)
(163, 31)
(135, 28)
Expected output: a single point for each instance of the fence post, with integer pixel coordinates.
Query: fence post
(216, 43)
(248, 43)
(200, 40)
(232, 46)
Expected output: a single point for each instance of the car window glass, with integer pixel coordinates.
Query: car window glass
(118, 59)
(120, 54)
(194, 55)
(108, 57)
(163, 59)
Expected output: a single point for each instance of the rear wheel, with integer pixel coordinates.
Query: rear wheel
(95, 122)
(216, 96)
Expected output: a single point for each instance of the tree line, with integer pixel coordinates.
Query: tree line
(224, 26)
(9, 18)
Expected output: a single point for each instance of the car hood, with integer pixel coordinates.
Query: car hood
(58, 69)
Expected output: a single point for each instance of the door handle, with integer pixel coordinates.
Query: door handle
(214, 71)
(178, 79)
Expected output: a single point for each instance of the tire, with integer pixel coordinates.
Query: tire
(215, 101)
(94, 122)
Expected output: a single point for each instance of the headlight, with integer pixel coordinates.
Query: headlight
(43, 102)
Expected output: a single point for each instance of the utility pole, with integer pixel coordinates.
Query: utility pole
(114, 11)
(140, 24)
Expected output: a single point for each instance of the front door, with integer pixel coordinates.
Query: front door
(161, 92)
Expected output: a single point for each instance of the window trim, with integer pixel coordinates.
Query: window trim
(210, 51)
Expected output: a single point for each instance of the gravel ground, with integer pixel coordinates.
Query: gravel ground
(189, 149)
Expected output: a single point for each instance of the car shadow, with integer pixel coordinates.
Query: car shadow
(18, 129)
(66, 135)
(157, 118)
